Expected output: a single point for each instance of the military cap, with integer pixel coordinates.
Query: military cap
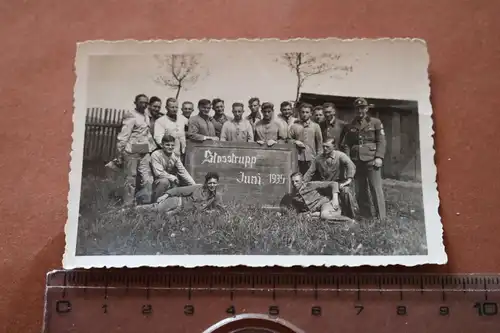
(361, 102)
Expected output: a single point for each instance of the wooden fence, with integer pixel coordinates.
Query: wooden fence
(101, 128)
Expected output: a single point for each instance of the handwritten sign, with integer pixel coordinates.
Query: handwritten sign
(249, 172)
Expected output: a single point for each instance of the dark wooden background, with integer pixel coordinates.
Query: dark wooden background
(401, 126)
(36, 88)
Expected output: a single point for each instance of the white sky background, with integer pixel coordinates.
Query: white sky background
(237, 74)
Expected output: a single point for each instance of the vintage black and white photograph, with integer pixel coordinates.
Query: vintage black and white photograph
(253, 152)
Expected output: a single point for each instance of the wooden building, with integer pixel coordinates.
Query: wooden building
(400, 120)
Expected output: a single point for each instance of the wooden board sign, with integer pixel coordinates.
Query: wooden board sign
(249, 172)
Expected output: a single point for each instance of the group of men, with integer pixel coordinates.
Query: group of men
(152, 147)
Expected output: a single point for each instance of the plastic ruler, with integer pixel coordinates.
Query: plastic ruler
(252, 301)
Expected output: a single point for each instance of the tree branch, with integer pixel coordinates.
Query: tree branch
(179, 70)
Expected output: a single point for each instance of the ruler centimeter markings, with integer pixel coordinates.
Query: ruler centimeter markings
(218, 301)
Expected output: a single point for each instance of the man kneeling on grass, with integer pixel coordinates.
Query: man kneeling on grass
(168, 170)
(316, 199)
(199, 197)
(335, 166)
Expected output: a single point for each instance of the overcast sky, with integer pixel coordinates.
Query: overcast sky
(241, 73)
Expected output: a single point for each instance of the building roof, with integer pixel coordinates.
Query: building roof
(347, 101)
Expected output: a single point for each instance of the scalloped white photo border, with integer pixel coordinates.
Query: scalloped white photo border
(419, 90)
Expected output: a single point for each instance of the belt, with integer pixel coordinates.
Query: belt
(362, 144)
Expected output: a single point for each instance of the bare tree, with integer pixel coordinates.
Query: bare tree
(305, 65)
(178, 71)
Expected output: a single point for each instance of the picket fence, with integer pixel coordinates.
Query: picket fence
(101, 129)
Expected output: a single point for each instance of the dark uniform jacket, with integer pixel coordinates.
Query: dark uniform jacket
(199, 127)
(218, 121)
(335, 130)
(365, 140)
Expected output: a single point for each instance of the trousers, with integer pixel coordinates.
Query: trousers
(369, 191)
(169, 205)
(304, 166)
(160, 186)
(348, 202)
(138, 178)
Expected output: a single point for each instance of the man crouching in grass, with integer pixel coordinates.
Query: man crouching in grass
(199, 197)
(312, 199)
(168, 170)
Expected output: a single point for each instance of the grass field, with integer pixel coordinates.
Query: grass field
(247, 230)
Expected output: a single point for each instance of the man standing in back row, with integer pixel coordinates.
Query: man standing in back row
(187, 108)
(254, 106)
(134, 144)
(172, 124)
(285, 117)
(365, 143)
(334, 127)
(306, 135)
(237, 129)
(267, 130)
(201, 126)
(219, 117)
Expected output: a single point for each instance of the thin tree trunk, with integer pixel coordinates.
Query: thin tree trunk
(297, 96)
(178, 91)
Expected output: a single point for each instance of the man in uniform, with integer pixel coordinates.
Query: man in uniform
(365, 142)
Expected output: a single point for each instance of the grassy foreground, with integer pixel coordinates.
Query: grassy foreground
(247, 230)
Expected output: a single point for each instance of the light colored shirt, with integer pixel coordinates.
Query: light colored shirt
(309, 133)
(200, 127)
(272, 130)
(135, 135)
(186, 121)
(252, 120)
(241, 131)
(176, 128)
(334, 167)
(164, 165)
(286, 123)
